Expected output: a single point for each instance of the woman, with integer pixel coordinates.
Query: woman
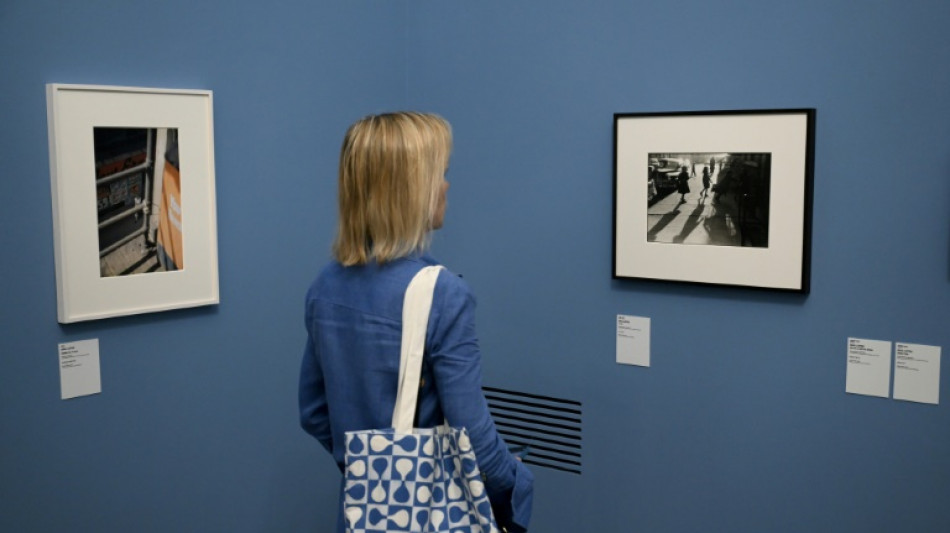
(682, 185)
(392, 191)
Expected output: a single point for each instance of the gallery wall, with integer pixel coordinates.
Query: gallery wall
(196, 427)
(741, 423)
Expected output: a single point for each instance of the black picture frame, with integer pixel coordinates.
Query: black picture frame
(715, 197)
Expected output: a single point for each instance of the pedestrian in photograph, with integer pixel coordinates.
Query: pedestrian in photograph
(391, 197)
(705, 192)
(724, 181)
(682, 185)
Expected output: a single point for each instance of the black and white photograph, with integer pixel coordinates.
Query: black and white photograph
(702, 198)
(714, 197)
(138, 200)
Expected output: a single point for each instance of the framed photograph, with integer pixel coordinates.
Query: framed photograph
(132, 178)
(714, 197)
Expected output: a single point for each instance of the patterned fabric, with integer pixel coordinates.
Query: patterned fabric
(426, 481)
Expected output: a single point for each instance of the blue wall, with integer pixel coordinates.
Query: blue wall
(742, 422)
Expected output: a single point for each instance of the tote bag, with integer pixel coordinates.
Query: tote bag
(402, 479)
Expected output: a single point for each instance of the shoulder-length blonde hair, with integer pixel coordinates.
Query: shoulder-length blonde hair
(392, 169)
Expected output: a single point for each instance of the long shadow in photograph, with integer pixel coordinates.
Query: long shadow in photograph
(691, 223)
(664, 221)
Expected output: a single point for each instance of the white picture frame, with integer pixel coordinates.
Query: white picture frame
(75, 114)
(695, 233)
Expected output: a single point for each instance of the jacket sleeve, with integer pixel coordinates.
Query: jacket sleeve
(314, 410)
(456, 368)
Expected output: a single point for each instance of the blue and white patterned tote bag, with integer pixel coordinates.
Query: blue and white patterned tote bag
(414, 480)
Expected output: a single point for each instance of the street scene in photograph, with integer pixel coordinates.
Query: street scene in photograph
(719, 199)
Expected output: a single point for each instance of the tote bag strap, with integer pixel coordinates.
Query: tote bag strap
(415, 318)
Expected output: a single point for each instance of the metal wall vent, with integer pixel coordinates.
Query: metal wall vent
(550, 427)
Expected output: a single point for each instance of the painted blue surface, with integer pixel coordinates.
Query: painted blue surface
(742, 422)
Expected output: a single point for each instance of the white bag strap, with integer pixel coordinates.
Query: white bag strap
(415, 318)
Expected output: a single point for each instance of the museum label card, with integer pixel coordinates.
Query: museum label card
(633, 340)
(79, 368)
(917, 373)
(869, 367)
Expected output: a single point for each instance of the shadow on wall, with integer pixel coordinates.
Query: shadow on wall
(735, 293)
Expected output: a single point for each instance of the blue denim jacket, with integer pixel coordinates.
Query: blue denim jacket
(348, 378)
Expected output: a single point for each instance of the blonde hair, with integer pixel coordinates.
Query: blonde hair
(392, 169)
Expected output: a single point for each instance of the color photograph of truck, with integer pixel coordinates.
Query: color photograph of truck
(138, 200)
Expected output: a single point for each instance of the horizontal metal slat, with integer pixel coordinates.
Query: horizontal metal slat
(550, 427)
